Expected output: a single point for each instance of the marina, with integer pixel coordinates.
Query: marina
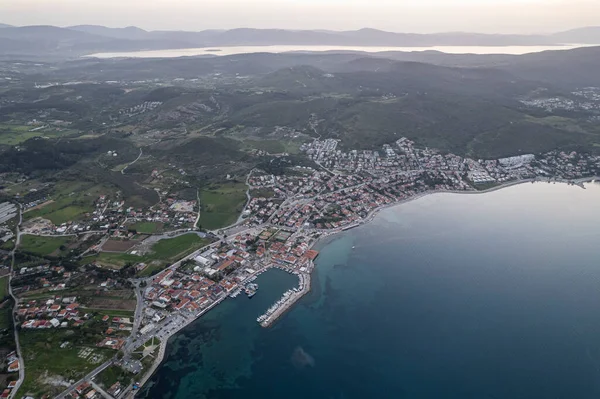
(288, 299)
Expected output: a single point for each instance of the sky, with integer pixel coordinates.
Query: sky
(418, 16)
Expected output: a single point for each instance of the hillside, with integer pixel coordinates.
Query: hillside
(483, 106)
(589, 35)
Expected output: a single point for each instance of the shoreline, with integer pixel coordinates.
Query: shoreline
(288, 305)
(163, 345)
(374, 212)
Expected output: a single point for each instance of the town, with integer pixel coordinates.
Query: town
(122, 264)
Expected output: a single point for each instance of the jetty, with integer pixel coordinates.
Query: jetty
(288, 299)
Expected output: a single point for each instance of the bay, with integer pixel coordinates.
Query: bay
(490, 295)
(233, 50)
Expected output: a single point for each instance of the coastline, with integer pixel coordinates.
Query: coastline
(375, 211)
(326, 234)
(163, 346)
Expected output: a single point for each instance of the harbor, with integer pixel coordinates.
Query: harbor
(288, 299)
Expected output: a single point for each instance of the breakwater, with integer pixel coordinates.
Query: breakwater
(288, 299)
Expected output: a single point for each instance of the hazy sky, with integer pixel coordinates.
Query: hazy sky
(492, 16)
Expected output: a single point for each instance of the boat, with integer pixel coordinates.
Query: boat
(251, 289)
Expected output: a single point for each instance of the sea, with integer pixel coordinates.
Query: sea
(466, 296)
(233, 50)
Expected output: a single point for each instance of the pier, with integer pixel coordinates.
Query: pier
(288, 299)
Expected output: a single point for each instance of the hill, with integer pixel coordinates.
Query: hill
(588, 35)
(86, 39)
(129, 33)
(210, 108)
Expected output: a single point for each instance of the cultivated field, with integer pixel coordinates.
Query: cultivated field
(161, 254)
(45, 246)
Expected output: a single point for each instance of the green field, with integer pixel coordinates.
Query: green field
(221, 205)
(44, 246)
(146, 227)
(71, 201)
(17, 134)
(275, 146)
(113, 260)
(8, 245)
(45, 358)
(112, 375)
(172, 249)
(162, 253)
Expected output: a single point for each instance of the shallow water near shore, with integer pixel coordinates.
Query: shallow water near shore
(449, 296)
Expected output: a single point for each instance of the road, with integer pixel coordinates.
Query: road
(16, 302)
(248, 198)
(137, 320)
(102, 392)
(131, 163)
(88, 377)
(198, 216)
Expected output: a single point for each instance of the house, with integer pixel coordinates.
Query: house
(82, 387)
(72, 307)
(225, 265)
(311, 254)
(14, 366)
(182, 304)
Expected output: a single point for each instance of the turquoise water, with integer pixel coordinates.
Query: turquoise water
(449, 296)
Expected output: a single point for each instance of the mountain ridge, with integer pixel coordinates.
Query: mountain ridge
(86, 39)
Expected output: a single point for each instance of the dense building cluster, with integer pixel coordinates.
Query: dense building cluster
(586, 100)
(355, 183)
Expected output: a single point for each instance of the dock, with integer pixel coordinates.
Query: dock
(288, 299)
